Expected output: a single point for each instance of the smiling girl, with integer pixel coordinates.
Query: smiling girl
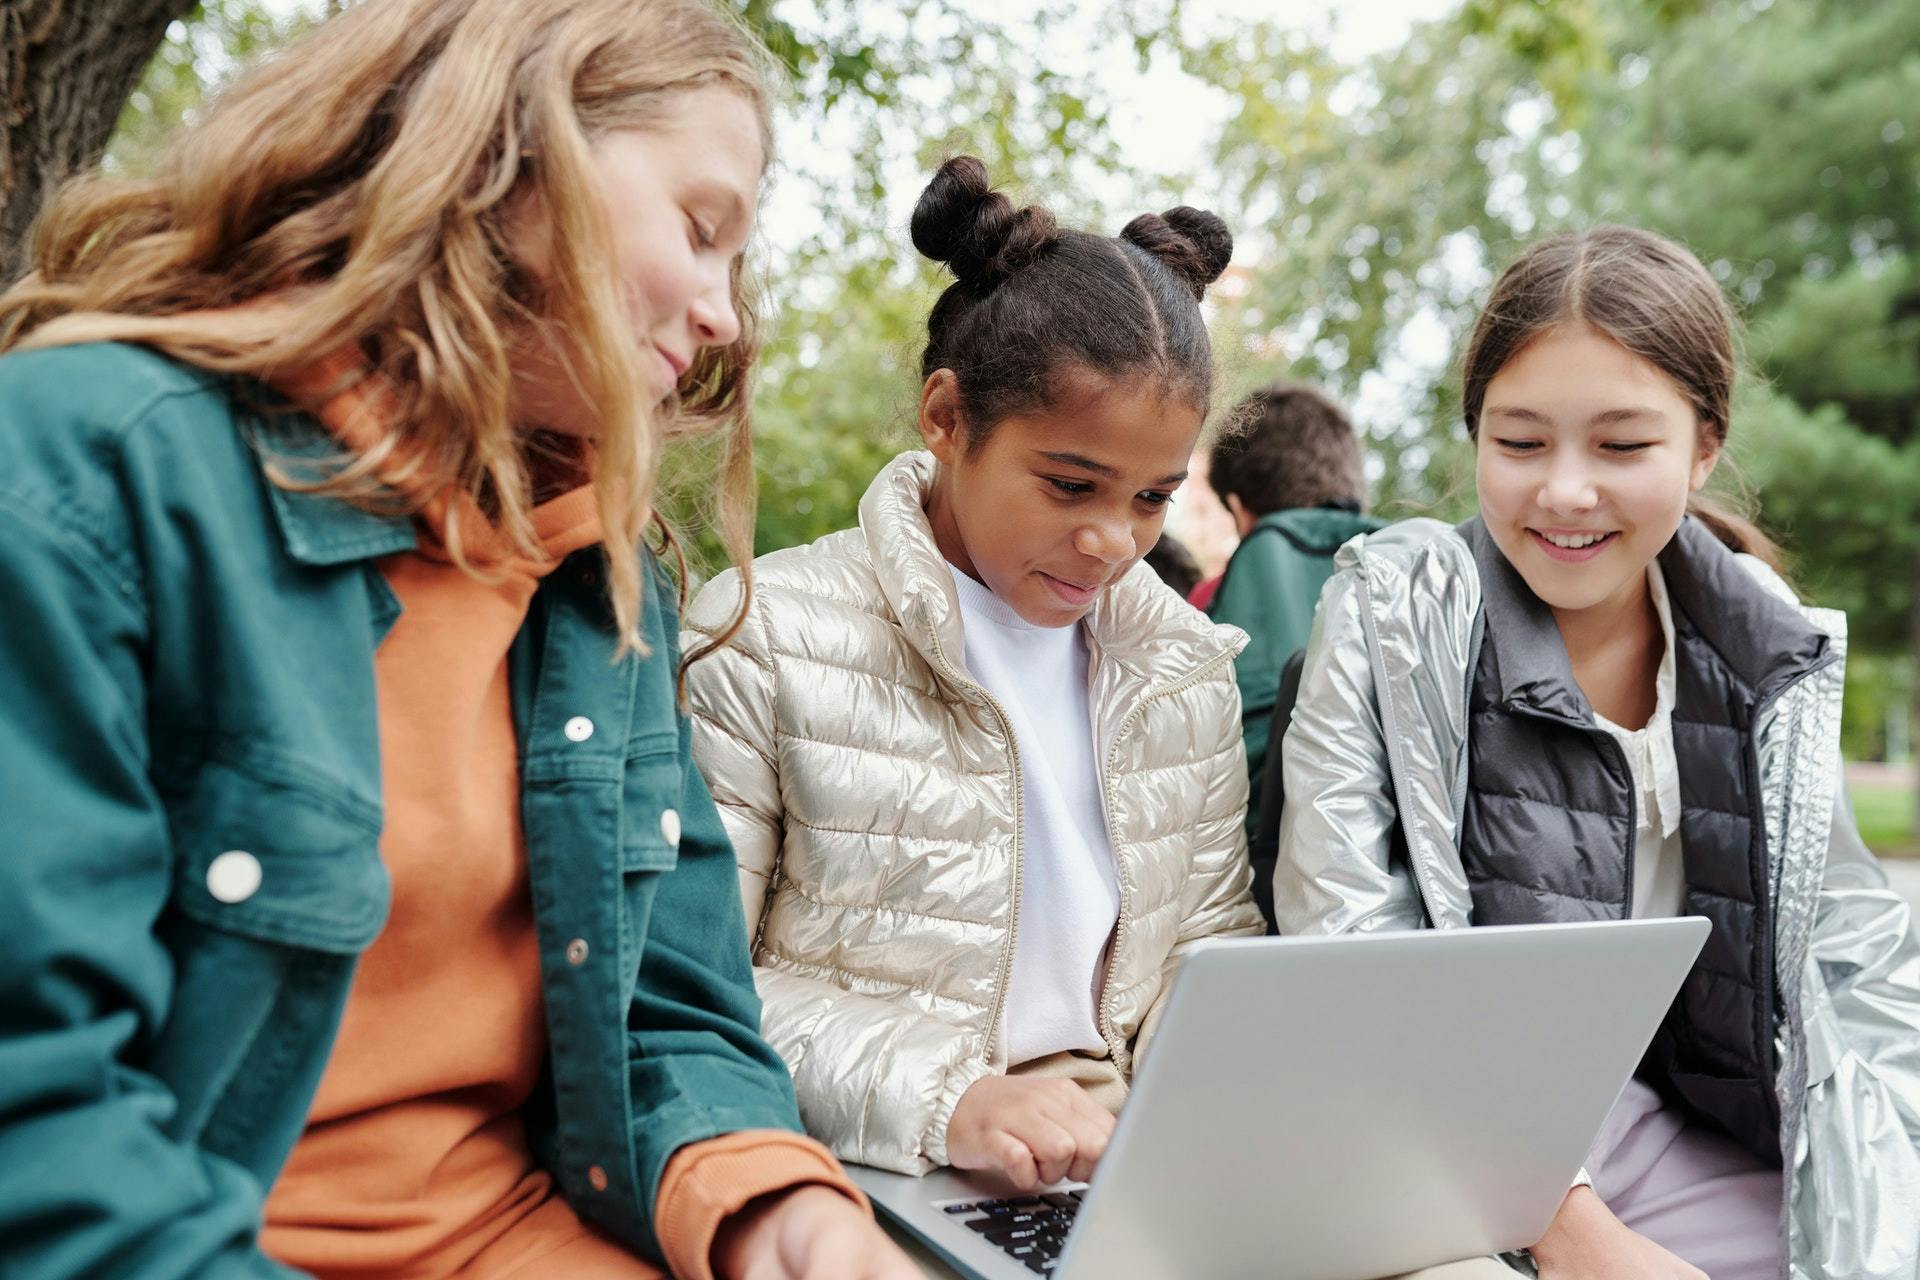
(982, 770)
(362, 912)
(1596, 700)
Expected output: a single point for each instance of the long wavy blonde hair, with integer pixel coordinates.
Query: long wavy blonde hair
(364, 181)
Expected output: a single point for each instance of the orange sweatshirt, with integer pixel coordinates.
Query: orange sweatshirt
(415, 1163)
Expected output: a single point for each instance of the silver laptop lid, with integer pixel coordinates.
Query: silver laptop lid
(1352, 1107)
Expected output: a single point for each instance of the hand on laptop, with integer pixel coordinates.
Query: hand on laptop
(1585, 1239)
(809, 1233)
(1034, 1131)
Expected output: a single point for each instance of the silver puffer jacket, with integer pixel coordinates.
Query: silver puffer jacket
(872, 790)
(1382, 716)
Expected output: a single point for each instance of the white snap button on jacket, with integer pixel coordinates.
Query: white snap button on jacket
(234, 876)
(577, 952)
(578, 729)
(597, 1178)
(670, 827)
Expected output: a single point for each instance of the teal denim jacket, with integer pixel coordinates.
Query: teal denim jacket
(186, 670)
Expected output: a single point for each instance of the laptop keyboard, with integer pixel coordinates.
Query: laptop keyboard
(1032, 1229)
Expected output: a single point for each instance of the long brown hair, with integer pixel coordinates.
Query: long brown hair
(364, 179)
(1646, 293)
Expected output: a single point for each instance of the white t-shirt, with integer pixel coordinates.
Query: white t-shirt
(1659, 870)
(1069, 890)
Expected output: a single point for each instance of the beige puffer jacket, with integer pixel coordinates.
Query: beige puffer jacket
(872, 791)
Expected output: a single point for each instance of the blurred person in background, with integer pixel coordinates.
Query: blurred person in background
(1289, 468)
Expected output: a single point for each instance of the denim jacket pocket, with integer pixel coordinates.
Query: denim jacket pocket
(650, 836)
(267, 853)
(277, 888)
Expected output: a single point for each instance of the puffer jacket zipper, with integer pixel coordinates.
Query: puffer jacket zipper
(1115, 1048)
(1003, 974)
(1789, 1041)
(1004, 971)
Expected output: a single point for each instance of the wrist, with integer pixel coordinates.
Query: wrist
(734, 1238)
(1581, 1212)
(937, 1143)
(964, 1127)
(754, 1229)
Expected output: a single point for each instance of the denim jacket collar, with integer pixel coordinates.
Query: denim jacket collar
(320, 529)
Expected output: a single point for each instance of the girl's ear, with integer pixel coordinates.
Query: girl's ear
(943, 425)
(1705, 458)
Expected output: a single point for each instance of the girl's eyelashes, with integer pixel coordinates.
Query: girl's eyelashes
(1621, 448)
(701, 235)
(1081, 488)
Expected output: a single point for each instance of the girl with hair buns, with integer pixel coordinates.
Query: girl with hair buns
(364, 913)
(981, 768)
(1598, 699)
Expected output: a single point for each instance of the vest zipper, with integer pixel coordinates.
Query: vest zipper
(1633, 821)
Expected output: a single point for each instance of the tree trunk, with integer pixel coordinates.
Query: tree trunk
(66, 69)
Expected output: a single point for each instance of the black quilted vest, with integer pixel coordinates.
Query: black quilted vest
(1547, 835)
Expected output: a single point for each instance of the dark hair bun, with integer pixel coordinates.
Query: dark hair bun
(1194, 244)
(961, 221)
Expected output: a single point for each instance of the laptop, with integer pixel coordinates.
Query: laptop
(1337, 1108)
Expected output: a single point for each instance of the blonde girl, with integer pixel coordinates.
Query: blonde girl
(363, 913)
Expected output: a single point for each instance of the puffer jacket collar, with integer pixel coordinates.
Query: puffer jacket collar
(1529, 657)
(1137, 624)
(1765, 641)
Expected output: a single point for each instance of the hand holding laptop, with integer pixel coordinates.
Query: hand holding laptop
(1032, 1131)
(1587, 1240)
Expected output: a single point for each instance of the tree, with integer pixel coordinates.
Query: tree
(875, 95)
(1775, 137)
(879, 94)
(1370, 225)
(1780, 141)
(1781, 144)
(66, 66)
(216, 38)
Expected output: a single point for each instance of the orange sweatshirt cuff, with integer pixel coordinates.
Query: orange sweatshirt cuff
(707, 1182)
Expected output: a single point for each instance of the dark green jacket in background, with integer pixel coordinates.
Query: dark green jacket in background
(186, 669)
(1270, 590)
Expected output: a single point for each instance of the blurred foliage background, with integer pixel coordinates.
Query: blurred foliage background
(1373, 197)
